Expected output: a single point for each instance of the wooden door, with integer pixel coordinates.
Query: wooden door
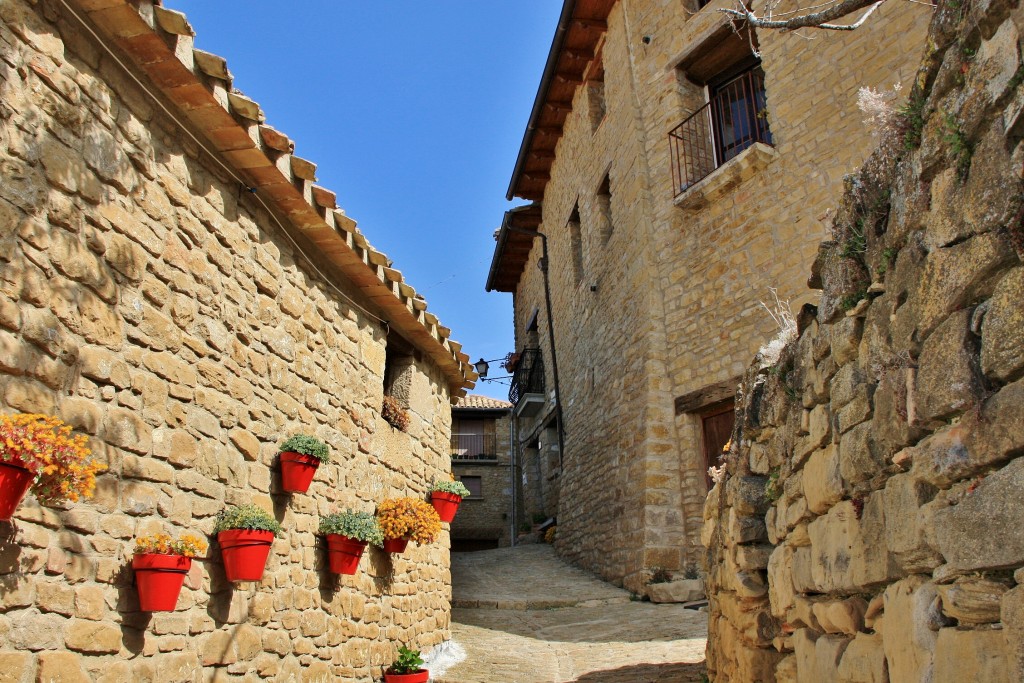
(717, 426)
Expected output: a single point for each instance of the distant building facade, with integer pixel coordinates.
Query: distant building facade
(676, 178)
(480, 448)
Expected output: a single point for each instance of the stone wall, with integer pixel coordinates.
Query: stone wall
(149, 303)
(867, 526)
(666, 300)
(487, 517)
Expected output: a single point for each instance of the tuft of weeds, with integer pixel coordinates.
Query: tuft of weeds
(888, 258)
(912, 116)
(959, 146)
(850, 301)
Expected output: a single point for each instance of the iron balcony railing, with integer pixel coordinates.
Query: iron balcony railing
(528, 377)
(474, 447)
(734, 118)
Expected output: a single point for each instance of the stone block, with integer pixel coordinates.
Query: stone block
(864, 661)
(908, 634)
(982, 531)
(17, 667)
(979, 655)
(823, 483)
(904, 533)
(844, 338)
(972, 600)
(1002, 345)
(1012, 617)
(680, 590)
(92, 637)
(948, 378)
(62, 667)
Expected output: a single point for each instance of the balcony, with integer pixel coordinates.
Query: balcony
(474, 447)
(527, 390)
(734, 119)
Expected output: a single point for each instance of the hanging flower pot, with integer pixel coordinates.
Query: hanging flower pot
(396, 545)
(347, 535)
(445, 496)
(407, 519)
(14, 483)
(446, 504)
(343, 553)
(420, 676)
(160, 566)
(245, 535)
(301, 455)
(39, 453)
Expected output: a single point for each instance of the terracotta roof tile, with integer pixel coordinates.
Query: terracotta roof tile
(482, 402)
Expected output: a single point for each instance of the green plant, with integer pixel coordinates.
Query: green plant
(912, 116)
(247, 517)
(772, 489)
(394, 414)
(408, 662)
(850, 301)
(525, 527)
(456, 488)
(691, 572)
(958, 146)
(539, 517)
(888, 258)
(659, 575)
(359, 526)
(307, 445)
(857, 243)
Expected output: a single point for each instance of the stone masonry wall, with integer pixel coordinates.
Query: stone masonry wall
(145, 301)
(867, 528)
(667, 298)
(487, 517)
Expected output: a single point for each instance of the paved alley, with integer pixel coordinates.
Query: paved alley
(524, 616)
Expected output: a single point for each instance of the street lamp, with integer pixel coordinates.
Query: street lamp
(482, 366)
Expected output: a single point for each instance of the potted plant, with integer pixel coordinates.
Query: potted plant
(160, 565)
(39, 452)
(394, 414)
(347, 534)
(245, 535)
(301, 455)
(445, 496)
(407, 519)
(406, 669)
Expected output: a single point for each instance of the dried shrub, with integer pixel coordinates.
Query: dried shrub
(394, 414)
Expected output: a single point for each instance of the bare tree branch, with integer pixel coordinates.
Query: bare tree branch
(814, 20)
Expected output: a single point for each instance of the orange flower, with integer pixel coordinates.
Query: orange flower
(188, 545)
(410, 517)
(60, 460)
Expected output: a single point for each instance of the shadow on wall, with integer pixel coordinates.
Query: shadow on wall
(648, 673)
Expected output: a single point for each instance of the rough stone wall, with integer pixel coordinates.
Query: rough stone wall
(677, 290)
(868, 525)
(488, 517)
(149, 304)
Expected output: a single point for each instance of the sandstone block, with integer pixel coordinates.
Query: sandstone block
(92, 637)
(16, 667)
(823, 483)
(904, 533)
(973, 600)
(948, 377)
(126, 429)
(983, 530)
(1002, 345)
(681, 590)
(61, 667)
(863, 661)
(30, 631)
(907, 635)
(971, 656)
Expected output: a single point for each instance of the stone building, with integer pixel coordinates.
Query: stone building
(867, 526)
(677, 180)
(481, 460)
(174, 285)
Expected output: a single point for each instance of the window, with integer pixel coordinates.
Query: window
(603, 201)
(399, 365)
(473, 439)
(474, 484)
(576, 240)
(734, 116)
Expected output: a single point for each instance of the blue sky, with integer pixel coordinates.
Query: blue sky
(414, 113)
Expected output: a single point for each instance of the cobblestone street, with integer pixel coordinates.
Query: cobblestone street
(523, 616)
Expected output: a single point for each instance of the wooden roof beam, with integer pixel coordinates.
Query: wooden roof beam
(598, 24)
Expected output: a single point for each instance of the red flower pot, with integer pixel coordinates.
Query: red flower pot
(297, 471)
(446, 504)
(343, 553)
(15, 480)
(421, 676)
(395, 545)
(159, 579)
(245, 553)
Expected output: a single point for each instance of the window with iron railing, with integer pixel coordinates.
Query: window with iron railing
(474, 446)
(735, 117)
(528, 376)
